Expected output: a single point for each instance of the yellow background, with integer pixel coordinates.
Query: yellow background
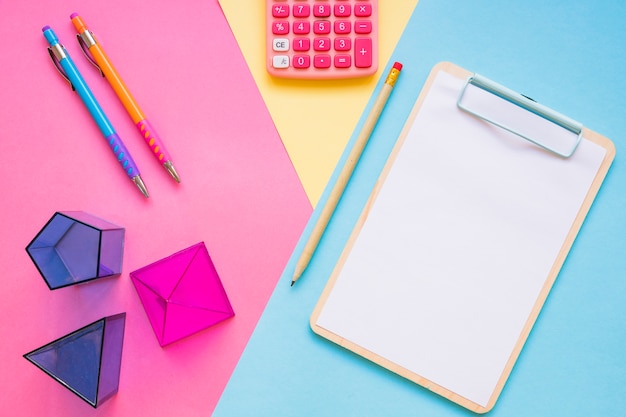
(315, 118)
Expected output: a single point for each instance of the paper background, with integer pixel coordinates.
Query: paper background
(566, 55)
(239, 194)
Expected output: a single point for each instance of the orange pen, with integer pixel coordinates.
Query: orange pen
(93, 52)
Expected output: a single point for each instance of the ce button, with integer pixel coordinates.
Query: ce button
(280, 44)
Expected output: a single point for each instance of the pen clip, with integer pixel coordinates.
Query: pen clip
(83, 39)
(56, 54)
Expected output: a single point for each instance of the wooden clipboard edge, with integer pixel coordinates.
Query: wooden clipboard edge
(603, 170)
(397, 369)
(602, 141)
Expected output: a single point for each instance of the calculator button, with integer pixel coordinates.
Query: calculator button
(280, 61)
(321, 27)
(343, 27)
(280, 44)
(363, 27)
(321, 61)
(321, 10)
(280, 28)
(301, 28)
(301, 10)
(363, 10)
(301, 61)
(301, 44)
(343, 61)
(321, 44)
(342, 10)
(343, 44)
(280, 10)
(363, 52)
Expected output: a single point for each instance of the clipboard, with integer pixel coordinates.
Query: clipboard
(463, 237)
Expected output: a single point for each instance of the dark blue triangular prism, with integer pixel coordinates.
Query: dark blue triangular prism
(78, 359)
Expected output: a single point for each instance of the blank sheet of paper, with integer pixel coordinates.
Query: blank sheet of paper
(458, 245)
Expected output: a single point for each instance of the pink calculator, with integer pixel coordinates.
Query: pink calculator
(321, 39)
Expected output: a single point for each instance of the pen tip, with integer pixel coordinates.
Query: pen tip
(142, 187)
(170, 168)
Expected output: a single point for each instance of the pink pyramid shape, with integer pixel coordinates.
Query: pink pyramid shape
(182, 294)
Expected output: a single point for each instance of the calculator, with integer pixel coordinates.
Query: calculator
(321, 39)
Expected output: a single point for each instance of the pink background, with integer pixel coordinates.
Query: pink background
(239, 194)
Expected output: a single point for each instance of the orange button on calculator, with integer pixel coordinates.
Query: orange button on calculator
(321, 39)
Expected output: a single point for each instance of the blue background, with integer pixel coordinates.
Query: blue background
(568, 55)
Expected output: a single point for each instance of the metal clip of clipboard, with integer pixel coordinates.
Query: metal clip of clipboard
(527, 104)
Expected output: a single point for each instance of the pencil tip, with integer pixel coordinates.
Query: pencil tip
(297, 274)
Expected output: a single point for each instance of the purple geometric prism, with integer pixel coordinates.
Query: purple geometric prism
(86, 361)
(182, 294)
(76, 247)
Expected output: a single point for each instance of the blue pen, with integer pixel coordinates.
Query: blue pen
(66, 67)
